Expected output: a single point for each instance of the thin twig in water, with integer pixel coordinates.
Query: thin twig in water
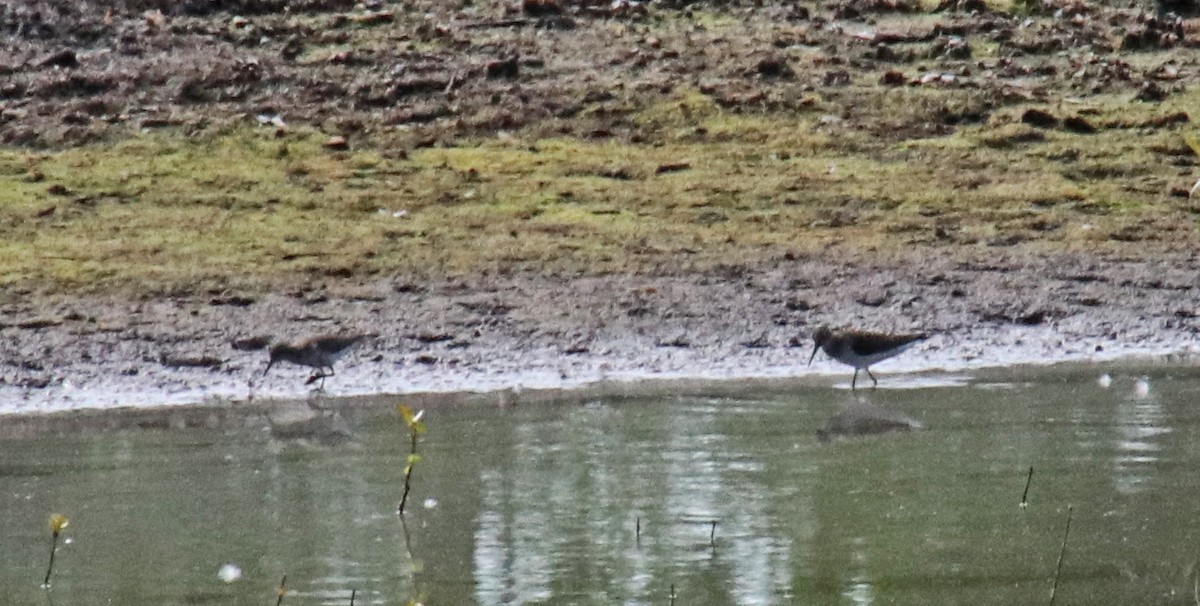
(416, 427)
(1061, 552)
(407, 477)
(50, 567)
(281, 591)
(1028, 481)
(353, 592)
(712, 535)
(57, 523)
(672, 594)
(638, 531)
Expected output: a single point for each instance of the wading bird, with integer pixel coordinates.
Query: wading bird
(318, 353)
(861, 349)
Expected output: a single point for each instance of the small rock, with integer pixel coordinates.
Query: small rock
(839, 77)
(795, 304)
(539, 8)
(503, 68)
(875, 299)
(1151, 92)
(1079, 124)
(337, 143)
(892, 78)
(374, 17)
(232, 300)
(293, 48)
(60, 58)
(757, 343)
(174, 361)
(34, 382)
(1032, 318)
(1039, 118)
(435, 337)
(672, 167)
(774, 66)
(679, 341)
(251, 343)
(38, 323)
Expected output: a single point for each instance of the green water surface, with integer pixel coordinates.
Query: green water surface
(541, 503)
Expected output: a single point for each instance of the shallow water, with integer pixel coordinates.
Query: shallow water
(541, 502)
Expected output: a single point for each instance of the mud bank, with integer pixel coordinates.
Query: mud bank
(542, 332)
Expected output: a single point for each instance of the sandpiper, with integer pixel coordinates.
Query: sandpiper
(861, 349)
(318, 352)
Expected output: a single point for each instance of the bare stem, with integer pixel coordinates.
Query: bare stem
(1061, 552)
(282, 591)
(1028, 481)
(407, 475)
(712, 535)
(50, 567)
(353, 592)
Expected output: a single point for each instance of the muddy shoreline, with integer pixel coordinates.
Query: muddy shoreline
(1015, 178)
(507, 334)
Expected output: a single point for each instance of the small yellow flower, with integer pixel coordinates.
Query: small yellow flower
(58, 522)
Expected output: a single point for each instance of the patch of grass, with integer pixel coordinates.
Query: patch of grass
(702, 187)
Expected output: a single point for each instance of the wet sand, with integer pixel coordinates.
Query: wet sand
(535, 332)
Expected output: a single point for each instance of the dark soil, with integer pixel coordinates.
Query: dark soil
(78, 71)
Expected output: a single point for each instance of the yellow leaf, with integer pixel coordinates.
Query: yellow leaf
(414, 458)
(412, 418)
(406, 413)
(58, 522)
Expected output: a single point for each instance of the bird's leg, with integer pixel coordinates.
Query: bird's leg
(854, 380)
(874, 381)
